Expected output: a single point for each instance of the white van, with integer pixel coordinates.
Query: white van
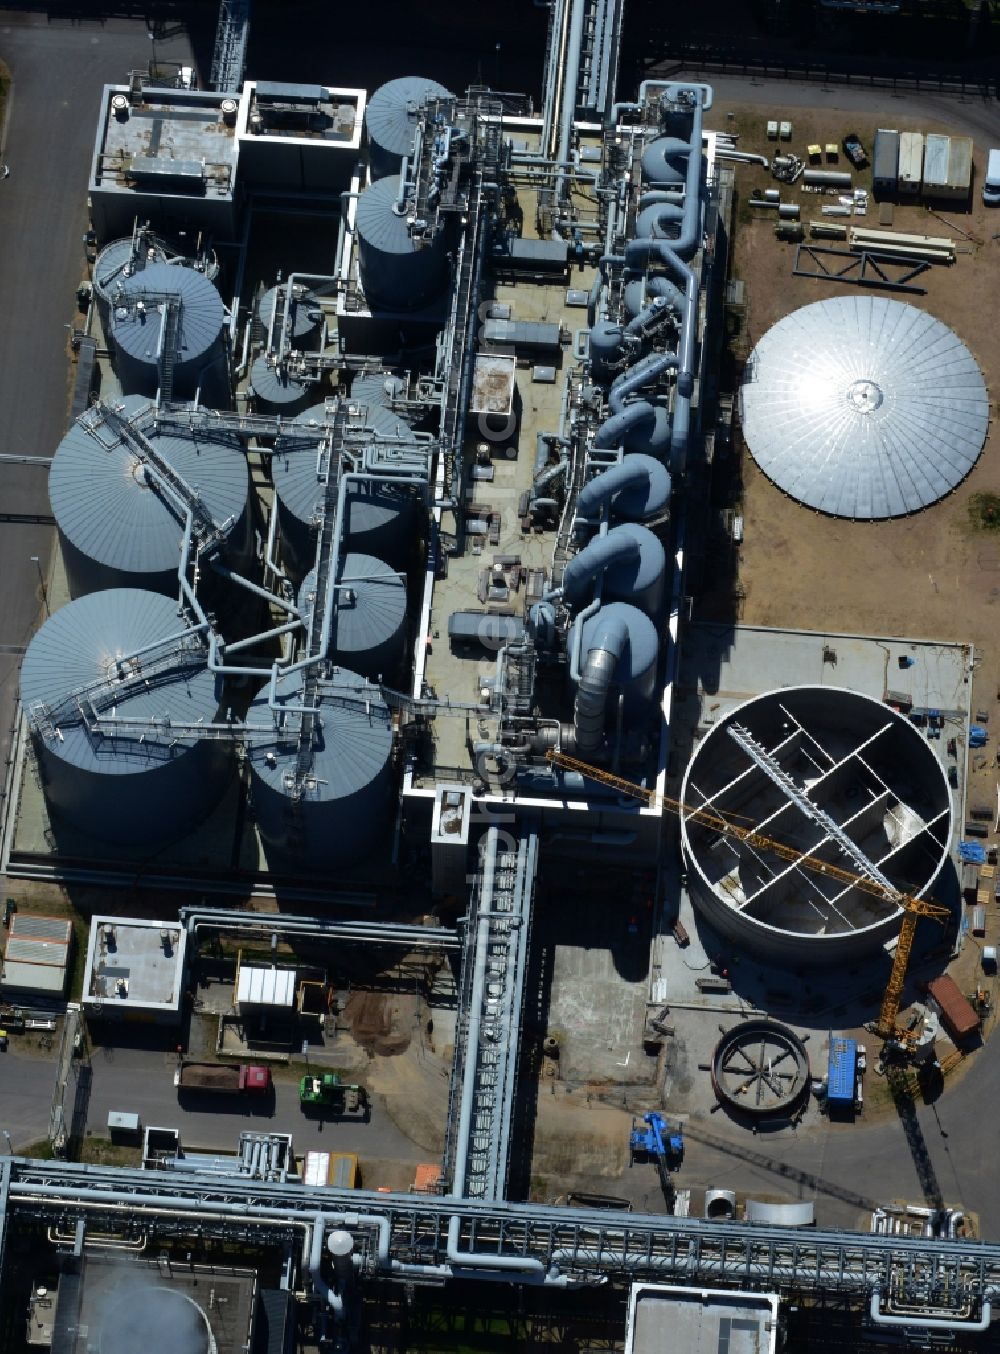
(991, 183)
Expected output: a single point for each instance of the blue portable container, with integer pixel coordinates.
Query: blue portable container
(842, 1071)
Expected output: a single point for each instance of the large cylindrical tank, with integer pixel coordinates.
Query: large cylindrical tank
(114, 264)
(379, 519)
(137, 317)
(277, 389)
(369, 615)
(391, 120)
(377, 387)
(635, 671)
(331, 815)
(398, 272)
(866, 767)
(145, 785)
(664, 161)
(305, 315)
(117, 528)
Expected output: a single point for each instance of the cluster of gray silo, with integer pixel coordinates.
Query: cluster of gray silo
(112, 704)
(332, 814)
(119, 505)
(400, 268)
(168, 322)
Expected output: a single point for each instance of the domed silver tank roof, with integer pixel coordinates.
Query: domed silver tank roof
(863, 407)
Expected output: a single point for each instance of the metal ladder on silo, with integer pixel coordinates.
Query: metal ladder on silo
(169, 336)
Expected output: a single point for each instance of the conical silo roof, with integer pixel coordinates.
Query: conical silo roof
(391, 117)
(112, 510)
(137, 331)
(77, 649)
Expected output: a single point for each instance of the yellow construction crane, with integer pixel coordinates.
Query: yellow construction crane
(913, 908)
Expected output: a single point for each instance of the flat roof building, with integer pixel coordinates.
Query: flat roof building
(36, 958)
(297, 136)
(663, 1318)
(135, 969)
(166, 155)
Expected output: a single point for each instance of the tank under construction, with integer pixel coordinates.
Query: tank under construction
(828, 774)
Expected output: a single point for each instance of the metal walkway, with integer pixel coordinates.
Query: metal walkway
(477, 1151)
(427, 1237)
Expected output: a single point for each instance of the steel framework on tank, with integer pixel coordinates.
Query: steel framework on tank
(423, 1237)
(491, 997)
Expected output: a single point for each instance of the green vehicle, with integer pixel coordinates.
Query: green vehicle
(329, 1093)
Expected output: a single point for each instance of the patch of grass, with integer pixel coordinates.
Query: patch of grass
(984, 511)
(104, 1152)
(40, 1150)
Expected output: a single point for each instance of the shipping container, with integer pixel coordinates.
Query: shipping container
(957, 1014)
(885, 162)
(911, 163)
(336, 1169)
(947, 167)
(970, 881)
(979, 921)
(842, 1071)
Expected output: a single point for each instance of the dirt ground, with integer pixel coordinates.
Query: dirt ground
(932, 575)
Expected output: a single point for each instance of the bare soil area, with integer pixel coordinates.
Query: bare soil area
(934, 575)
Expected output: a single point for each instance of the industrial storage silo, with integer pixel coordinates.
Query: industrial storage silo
(399, 271)
(377, 387)
(278, 387)
(326, 811)
(369, 617)
(379, 518)
(117, 261)
(842, 763)
(391, 120)
(140, 325)
(112, 654)
(300, 315)
(117, 527)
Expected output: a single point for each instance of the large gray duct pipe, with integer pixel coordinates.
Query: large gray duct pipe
(596, 675)
(593, 559)
(671, 254)
(644, 373)
(625, 417)
(598, 492)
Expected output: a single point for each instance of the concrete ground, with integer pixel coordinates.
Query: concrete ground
(56, 67)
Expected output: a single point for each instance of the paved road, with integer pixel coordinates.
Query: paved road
(57, 67)
(141, 1081)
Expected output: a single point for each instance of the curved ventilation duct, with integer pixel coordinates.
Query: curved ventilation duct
(642, 426)
(620, 650)
(632, 563)
(668, 162)
(637, 488)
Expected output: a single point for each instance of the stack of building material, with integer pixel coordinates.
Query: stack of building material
(934, 248)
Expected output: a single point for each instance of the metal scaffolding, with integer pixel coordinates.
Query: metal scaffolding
(478, 1148)
(230, 55)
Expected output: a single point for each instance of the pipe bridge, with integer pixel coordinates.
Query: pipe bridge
(429, 1238)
